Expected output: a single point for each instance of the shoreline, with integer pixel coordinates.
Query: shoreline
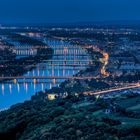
(30, 61)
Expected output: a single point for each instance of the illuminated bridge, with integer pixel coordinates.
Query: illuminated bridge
(102, 92)
(61, 50)
(70, 51)
(70, 60)
(46, 77)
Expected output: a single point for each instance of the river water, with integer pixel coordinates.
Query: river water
(66, 61)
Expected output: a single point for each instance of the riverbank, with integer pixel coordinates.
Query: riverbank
(96, 69)
(63, 63)
(18, 67)
(82, 117)
(74, 116)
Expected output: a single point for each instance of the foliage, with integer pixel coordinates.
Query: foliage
(41, 119)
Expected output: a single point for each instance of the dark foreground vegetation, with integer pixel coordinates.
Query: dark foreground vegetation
(73, 118)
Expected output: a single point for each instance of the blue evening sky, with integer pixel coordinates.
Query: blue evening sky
(64, 11)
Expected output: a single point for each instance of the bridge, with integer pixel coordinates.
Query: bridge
(64, 60)
(61, 51)
(52, 46)
(46, 77)
(28, 52)
(65, 64)
(61, 65)
(137, 85)
(65, 49)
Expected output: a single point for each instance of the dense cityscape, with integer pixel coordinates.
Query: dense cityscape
(69, 70)
(92, 70)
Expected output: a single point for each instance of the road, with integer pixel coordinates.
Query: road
(112, 90)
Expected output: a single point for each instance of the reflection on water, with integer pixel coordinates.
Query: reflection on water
(67, 61)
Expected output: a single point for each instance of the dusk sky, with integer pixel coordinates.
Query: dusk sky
(67, 11)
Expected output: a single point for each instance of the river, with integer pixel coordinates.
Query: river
(62, 64)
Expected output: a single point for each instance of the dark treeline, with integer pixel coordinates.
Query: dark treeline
(72, 118)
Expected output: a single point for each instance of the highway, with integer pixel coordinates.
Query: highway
(112, 90)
